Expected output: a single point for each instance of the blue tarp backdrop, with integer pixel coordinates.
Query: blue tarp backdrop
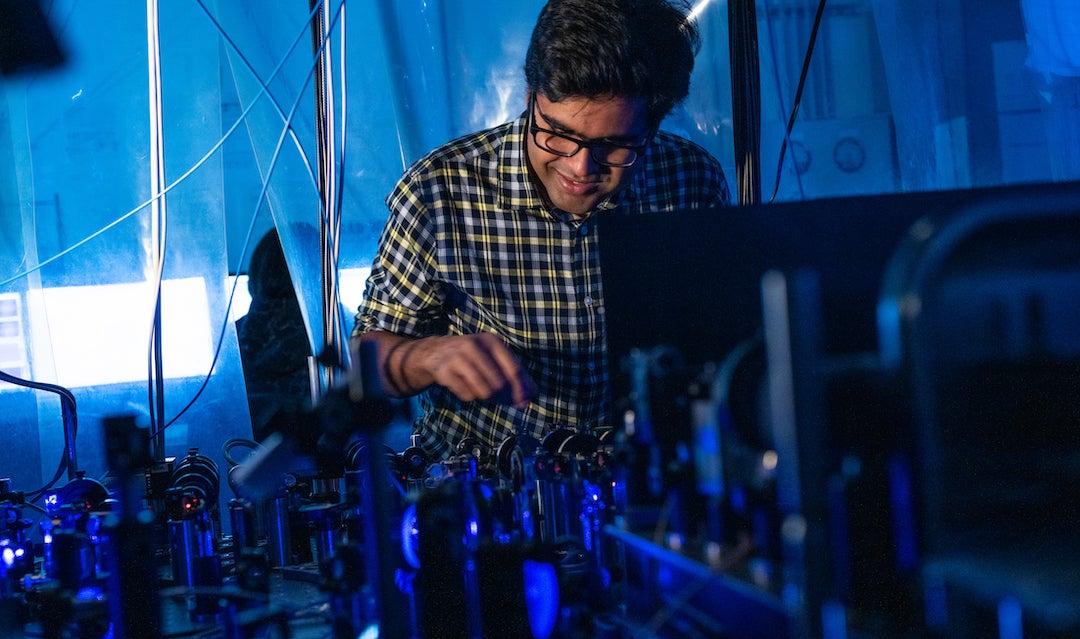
(141, 171)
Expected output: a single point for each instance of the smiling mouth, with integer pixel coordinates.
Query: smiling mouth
(575, 187)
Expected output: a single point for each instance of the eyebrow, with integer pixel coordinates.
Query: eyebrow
(559, 127)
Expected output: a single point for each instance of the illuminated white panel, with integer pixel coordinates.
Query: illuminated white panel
(351, 287)
(350, 284)
(101, 334)
(241, 298)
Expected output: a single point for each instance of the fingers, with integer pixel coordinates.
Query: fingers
(479, 367)
(522, 387)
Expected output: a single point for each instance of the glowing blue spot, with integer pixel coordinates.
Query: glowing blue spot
(9, 557)
(541, 597)
(410, 537)
(90, 593)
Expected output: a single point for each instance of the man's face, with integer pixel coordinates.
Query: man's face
(577, 183)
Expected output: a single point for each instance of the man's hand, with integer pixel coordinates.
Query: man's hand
(472, 367)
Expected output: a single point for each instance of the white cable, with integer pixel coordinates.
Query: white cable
(264, 90)
(158, 212)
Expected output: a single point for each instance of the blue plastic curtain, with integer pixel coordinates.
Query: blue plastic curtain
(175, 134)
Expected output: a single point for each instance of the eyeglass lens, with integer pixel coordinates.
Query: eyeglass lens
(602, 153)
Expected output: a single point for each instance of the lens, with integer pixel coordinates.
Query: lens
(613, 155)
(557, 144)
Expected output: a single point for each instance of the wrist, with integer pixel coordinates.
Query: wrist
(395, 366)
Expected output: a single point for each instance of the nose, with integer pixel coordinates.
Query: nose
(582, 163)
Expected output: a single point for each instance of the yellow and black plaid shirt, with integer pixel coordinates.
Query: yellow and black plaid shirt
(470, 247)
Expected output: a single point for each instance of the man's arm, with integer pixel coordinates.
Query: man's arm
(472, 367)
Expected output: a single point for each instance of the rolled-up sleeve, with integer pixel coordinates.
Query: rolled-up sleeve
(403, 293)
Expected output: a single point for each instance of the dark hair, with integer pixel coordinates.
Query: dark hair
(621, 48)
(268, 273)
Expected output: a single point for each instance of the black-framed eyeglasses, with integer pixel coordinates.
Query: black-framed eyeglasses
(603, 152)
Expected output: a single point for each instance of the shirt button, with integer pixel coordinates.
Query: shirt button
(588, 300)
(584, 229)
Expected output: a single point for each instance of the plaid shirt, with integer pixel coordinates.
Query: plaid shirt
(470, 247)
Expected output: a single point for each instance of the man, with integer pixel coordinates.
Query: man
(485, 294)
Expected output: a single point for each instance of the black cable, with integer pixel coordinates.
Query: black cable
(746, 106)
(226, 448)
(798, 95)
(71, 426)
(781, 105)
(35, 507)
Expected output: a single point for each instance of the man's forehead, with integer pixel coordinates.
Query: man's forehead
(604, 116)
